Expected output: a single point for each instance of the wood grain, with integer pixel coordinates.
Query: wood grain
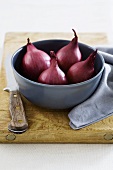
(45, 125)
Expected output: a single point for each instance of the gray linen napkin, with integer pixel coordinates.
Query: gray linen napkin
(100, 104)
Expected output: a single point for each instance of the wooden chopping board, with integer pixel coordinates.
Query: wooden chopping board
(45, 125)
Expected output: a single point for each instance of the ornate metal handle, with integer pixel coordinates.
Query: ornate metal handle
(18, 122)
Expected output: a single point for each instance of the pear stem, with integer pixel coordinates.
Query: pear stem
(53, 59)
(28, 41)
(52, 54)
(91, 58)
(74, 32)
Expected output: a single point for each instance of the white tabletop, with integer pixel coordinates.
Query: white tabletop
(56, 16)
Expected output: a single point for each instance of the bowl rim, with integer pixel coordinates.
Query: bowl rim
(59, 86)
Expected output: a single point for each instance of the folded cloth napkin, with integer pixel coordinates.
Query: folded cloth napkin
(100, 104)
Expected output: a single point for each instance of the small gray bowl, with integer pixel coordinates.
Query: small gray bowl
(56, 96)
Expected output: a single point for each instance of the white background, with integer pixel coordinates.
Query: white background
(56, 16)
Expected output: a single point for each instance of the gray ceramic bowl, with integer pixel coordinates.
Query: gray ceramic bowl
(56, 96)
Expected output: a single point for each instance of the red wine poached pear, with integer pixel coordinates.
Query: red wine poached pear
(34, 62)
(69, 54)
(53, 75)
(82, 70)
